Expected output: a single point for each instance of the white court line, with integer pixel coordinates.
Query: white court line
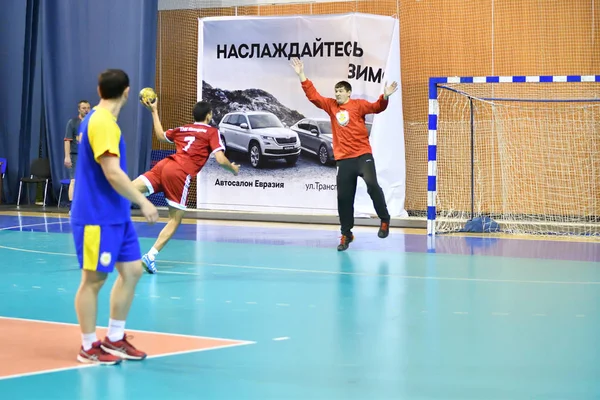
(234, 343)
(312, 271)
(309, 271)
(37, 251)
(32, 225)
(49, 371)
(41, 321)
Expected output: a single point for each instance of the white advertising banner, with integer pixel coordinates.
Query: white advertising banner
(280, 139)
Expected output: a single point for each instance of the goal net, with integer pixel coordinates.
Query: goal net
(521, 151)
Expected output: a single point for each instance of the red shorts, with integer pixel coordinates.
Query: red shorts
(168, 177)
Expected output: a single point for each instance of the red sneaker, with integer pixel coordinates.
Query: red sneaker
(96, 355)
(122, 348)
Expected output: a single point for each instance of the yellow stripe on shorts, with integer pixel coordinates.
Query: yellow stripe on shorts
(91, 247)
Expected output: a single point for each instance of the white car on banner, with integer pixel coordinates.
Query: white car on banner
(261, 135)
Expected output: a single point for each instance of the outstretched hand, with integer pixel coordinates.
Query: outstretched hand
(390, 90)
(236, 168)
(298, 65)
(152, 106)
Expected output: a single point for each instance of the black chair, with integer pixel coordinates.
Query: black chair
(40, 173)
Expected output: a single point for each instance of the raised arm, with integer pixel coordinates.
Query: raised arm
(157, 126)
(381, 103)
(309, 89)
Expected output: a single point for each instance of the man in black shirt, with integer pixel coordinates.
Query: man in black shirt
(72, 142)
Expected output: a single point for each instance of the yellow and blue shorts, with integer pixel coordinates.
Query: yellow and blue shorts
(100, 247)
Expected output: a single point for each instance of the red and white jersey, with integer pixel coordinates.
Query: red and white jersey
(195, 143)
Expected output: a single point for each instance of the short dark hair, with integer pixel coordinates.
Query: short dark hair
(112, 83)
(83, 101)
(345, 85)
(201, 110)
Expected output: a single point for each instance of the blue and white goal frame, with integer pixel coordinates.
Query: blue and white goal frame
(433, 121)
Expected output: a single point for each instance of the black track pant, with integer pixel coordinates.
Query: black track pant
(347, 178)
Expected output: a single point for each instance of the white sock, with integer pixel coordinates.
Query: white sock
(116, 330)
(87, 339)
(152, 253)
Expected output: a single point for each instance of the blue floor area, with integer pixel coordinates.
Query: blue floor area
(475, 318)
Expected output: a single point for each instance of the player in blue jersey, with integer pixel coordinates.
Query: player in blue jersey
(103, 232)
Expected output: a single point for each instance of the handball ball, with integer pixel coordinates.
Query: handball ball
(147, 94)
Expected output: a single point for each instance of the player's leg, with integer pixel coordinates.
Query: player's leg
(72, 176)
(71, 189)
(368, 172)
(346, 181)
(175, 218)
(149, 182)
(143, 185)
(130, 270)
(176, 184)
(93, 248)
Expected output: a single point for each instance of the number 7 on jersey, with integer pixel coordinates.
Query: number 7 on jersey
(190, 140)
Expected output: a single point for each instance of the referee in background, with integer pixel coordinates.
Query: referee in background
(72, 143)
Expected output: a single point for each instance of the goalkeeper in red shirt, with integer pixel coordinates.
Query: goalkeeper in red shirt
(351, 149)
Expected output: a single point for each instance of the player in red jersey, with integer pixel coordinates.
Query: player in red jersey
(351, 149)
(173, 175)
